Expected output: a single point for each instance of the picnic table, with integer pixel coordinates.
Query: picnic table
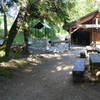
(78, 70)
(94, 61)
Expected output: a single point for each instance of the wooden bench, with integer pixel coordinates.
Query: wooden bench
(94, 61)
(78, 70)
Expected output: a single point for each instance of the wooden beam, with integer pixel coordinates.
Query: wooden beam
(85, 19)
(96, 21)
(74, 30)
(89, 25)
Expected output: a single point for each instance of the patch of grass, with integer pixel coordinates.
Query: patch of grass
(19, 39)
(6, 72)
(2, 33)
(36, 56)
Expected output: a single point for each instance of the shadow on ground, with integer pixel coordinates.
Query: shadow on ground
(46, 78)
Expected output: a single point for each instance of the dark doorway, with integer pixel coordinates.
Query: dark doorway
(81, 36)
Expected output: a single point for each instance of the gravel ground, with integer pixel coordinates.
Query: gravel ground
(48, 79)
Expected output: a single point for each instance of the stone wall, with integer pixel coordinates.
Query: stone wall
(38, 44)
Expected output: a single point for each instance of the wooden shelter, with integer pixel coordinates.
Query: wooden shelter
(85, 30)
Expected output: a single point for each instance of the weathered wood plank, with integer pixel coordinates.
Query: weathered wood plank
(94, 62)
(79, 64)
(78, 70)
(94, 58)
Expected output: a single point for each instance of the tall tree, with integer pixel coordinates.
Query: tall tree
(15, 27)
(53, 11)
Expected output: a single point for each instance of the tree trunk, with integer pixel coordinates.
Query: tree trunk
(26, 35)
(13, 31)
(5, 25)
(26, 32)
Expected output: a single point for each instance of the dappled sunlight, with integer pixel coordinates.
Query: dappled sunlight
(13, 63)
(28, 70)
(49, 56)
(66, 68)
(63, 68)
(31, 59)
(2, 53)
(59, 68)
(21, 63)
(58, 56)
(70, 73)
(3, 64)
(34, 62)
(53, 71)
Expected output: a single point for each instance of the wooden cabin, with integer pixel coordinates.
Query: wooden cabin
(85, 30)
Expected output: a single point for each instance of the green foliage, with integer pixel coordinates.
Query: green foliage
(43, 32)
(51, 34)
(35, 32)
(60, 11)
(51, 10)
(81, 8)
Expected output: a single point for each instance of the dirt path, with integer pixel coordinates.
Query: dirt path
(48, 79)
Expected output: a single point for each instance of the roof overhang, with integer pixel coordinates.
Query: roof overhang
(79, 22)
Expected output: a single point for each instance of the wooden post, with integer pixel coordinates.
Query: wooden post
(69, 43)
(93, 38)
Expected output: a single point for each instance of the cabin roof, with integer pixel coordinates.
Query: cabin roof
(82, 19)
